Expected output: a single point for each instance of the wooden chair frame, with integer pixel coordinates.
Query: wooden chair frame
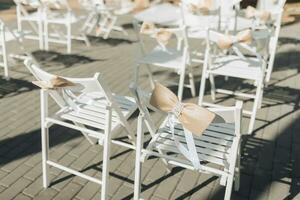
(80, 112)
(209, 72)
(198, 152)
(157, 59)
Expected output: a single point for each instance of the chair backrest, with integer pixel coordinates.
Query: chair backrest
(229, 115)
(31, 3)
(193, 19)
(89, 4)
(270, 5)
(57, 4)
(259, 49)
(180, 34)
(83, 85)
(20, 6)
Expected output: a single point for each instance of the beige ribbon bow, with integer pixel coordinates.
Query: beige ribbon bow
(161, 35)
(252, 12)
(226, 41)
(54, 83)
(202, 8)
(140, 5)
(193, 117)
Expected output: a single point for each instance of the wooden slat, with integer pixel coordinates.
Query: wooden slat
(199, 143)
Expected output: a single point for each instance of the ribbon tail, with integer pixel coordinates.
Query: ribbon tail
(190, 153)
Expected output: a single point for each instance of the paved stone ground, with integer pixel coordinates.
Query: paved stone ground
(270, 157)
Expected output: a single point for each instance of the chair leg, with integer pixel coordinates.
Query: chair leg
(5, 62)
(192, 83)
(181, 85)
(254, 109)
(260, 99)
(138, 164)
(149, 72)
(202, 88)
(106, 154)
(136, 74)
(237, 171)
(228, 189)
(45, 138)
(212, 87)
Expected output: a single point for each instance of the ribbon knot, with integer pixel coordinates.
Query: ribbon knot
(226, 41)
(252, 12)
(192, 117)
(202, 8)
(161, 35)
(178, 108)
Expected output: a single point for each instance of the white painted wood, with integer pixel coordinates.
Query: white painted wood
(138, 164)
(218, 144)
(89, 107)
(34, 19)
(169, 58)
(235, 64)
(3, 52)
(103, 17)
(45, 137)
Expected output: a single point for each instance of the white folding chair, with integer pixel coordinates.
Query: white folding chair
(237, 64)
(3, 54)
(216, 151)
(275, 9)
(89, 107)
(102, 16)
(169, 58)
(34, 20)
(61, 16)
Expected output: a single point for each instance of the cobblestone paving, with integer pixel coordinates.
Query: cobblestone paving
(270, 157)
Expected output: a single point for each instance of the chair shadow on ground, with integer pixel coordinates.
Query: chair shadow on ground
(30, 143)
(67, 60)
(263, 165)
(113, 42)
(14, 87)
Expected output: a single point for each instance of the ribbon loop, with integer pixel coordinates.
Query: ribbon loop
(226, 41)
(192, 117)
(161, 35)
(252, 12)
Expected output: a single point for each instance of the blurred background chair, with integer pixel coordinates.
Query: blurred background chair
(166, 56)
(58, 22)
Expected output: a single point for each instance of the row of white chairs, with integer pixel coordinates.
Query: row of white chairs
(102, 17)
(45, 21)
(51, 21)
(89, 106)
(252, 62)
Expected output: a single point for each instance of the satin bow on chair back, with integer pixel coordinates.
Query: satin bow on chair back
(161, 35)
(54, 83)
(226, 41)
(192, 117)
(263, 15)
(201, 8)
